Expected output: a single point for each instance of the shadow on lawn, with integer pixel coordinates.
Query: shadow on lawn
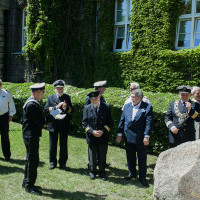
(19, 161)
(62, 194)
(116, 175)
(9, 170)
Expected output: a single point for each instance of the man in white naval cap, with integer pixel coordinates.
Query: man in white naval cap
(101, 87)
(7, 110)
(33, 122)
(134, 86)
(60, 127)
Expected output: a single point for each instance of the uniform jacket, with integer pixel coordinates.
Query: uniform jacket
(33, 120)
(186, 127)
(136, 129)
(100, 121)
(87, 101)
(52, 102)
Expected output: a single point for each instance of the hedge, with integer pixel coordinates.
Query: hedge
(115, 97)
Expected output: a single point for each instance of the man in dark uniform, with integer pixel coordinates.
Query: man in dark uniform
(180, 118)
(136, 124)
(101, 87)
(97, 121)
(60, 126)
(33, 122)
(7, 110)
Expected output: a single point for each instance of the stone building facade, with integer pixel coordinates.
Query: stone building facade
(12, 61)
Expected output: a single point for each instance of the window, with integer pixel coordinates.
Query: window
(188, 29)
(122, 41)
(24, 27)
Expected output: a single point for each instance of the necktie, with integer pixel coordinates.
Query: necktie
(96, 110)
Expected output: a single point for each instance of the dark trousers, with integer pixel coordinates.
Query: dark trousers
(32, 161)
(131, 150)
(4, 129)
(53, 141)
(99, 151)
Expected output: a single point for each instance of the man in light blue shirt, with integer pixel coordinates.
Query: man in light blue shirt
(7, 110)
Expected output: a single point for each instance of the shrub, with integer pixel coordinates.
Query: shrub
(115, 97)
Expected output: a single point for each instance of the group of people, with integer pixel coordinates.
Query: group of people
(135, 124)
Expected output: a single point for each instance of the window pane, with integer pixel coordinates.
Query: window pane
(121, 10)
(197, 25)
(128, 43)
(120, 41)
(185, 26)
(198, 6)
(184, 40)
(120, 32)
(130, 7)
(186, 6)
(197, 33)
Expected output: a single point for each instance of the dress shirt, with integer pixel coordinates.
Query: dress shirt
(129, 100)
(6, 103)
(135, 109)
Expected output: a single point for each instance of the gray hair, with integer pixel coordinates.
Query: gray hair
(0, 81)
(136, 85)
(194, 89)
(137, 92)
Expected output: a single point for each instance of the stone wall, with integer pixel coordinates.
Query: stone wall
(1, 42)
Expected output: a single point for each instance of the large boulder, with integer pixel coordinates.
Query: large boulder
(177, 173)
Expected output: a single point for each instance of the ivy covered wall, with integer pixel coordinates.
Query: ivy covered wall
(73, 40)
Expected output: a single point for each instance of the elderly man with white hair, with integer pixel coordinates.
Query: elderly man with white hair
(196, 94)
(134, 86)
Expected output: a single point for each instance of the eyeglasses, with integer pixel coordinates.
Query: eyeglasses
(131, 89)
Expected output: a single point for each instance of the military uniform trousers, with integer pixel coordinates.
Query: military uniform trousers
(97, 151)
(32, 160)
(131, 150)
(53, 142)
(4, 131)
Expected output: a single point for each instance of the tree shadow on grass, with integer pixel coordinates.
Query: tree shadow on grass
(62, 194)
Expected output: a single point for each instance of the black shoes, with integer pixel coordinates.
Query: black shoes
(38, 187)
(33, 189)
(144, 183)
(7, 159)
(92, 176)
(103, 177)
(108, 165)
(63, 167)
(130, 177)
(52, 167)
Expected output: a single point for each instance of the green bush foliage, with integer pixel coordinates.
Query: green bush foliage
(115, 97)
(68, 39)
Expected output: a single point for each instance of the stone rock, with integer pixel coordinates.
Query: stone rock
(177, 173)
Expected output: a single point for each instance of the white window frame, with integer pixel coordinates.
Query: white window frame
(193, 17)
(23, 28)
(125, 24)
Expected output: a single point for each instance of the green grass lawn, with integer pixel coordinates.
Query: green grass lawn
(73, 184)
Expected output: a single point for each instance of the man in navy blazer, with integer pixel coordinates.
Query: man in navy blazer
(135, 124)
